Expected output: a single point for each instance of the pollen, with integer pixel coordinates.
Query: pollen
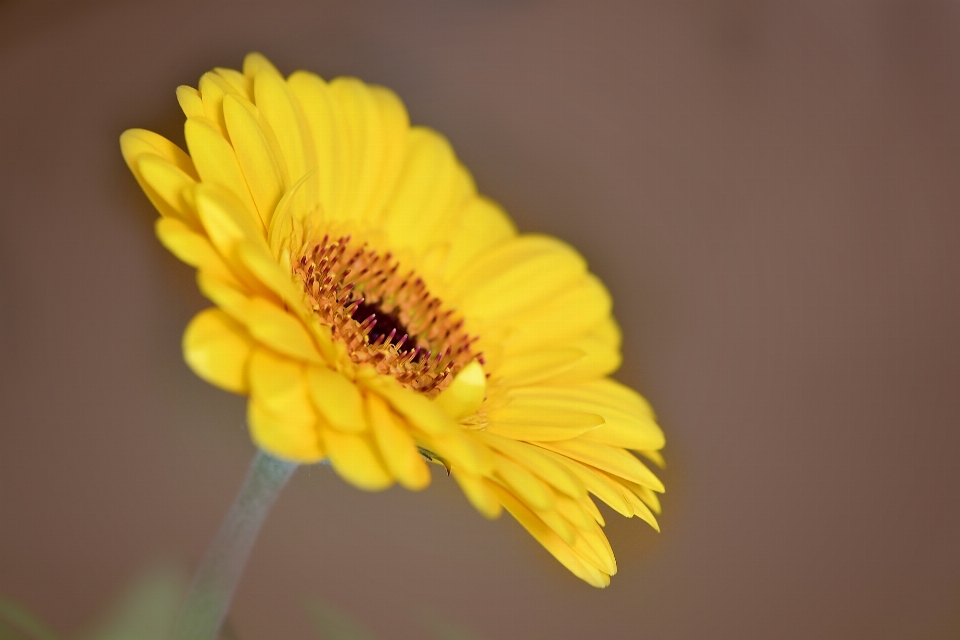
(384, 315)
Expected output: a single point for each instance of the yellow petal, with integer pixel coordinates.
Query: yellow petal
(431, 185)
(461, 450)
(655, 457)
(329, 142)
(274, 101)
(397, 448)
(190, 101)
(564, 315)
(224, 219)
(255, 62)
(560, 526)
(632, 430)
(591, 508)
(169, 182)
(551, 541)
(628, 432)
(538, 461)
(217, 349)
(575, 512)
(282, 437)
(417, 409)
(647, 495)
(225, 294)
(279, 385)
(483, 224)
(515, 259)
(338, 399)
(282, 419)
(642, 511)
(360, 123)
(212, 90)
(259, 166)
(466, 393)
(228, 226)
(611, 459)
(593, 545)
(353, 457)
(217, 164)
(480, 494)
(193, 248)
(258, 261)
(600, 485)
(536, 367)
(526, 486)
(391, 137)
(603, 392)
(602, 349)
(504, 283)
(280, 331)
(540, 423)
(238, 82)
(136, 142)
(612, 393)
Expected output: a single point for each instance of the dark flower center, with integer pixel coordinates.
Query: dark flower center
(383, 324)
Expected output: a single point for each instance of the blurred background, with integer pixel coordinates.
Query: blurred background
(770, 190)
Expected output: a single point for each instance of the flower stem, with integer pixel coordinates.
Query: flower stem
(216, 579)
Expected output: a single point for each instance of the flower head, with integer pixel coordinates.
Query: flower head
(378, 312)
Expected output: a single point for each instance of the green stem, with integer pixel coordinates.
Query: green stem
(216, 579)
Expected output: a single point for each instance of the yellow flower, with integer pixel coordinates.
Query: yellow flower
(378, 311)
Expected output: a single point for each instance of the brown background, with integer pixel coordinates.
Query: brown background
(770, 190)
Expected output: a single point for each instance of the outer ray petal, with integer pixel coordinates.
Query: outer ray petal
(281, 436)
(354, 458)
(620, 429)
(280, 331)
(539, 366)
(551, 541)
(599, 484)
(537, 461)
(536, 272)
(431, 184)
(483, 224)
(480, 494)
(461, 450)
(215, 161)
(541, 423)
(338, 399)
(330, 146)
(526, 486)
(281, 111)
(568, 313)
(575, 512)
(611, 459)
(397, 448)
(169, 182)
(360, 122)
(190, 101)
(259, 166)
(193, 248)
(217, 349)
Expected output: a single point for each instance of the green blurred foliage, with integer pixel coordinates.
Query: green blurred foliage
(16, 623)
(148, 608)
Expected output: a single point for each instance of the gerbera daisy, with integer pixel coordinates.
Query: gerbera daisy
(379, 313)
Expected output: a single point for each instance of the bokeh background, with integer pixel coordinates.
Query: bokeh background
(770, 190)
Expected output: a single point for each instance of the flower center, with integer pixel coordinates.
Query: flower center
(385, 319)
